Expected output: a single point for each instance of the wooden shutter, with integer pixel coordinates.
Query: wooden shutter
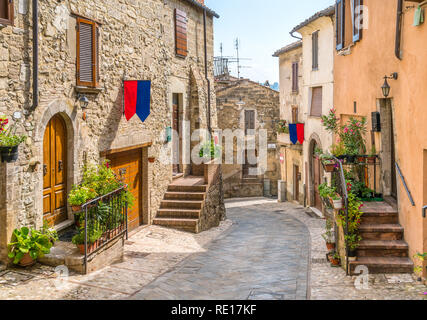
(249, 120)
(340, 23)
(181, 33)
(295, 77)
(315, 50)
(294, 114)
(316, 102)
(6, 12)
(357, 20)
(87, 53)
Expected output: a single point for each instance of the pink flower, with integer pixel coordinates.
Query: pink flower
(345, 130)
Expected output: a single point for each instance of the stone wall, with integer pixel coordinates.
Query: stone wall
(233, 99)
(137, 42)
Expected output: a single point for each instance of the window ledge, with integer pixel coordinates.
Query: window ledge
(82, 89)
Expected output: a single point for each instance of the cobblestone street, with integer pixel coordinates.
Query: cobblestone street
(264, 253)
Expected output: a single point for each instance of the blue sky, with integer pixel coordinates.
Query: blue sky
(262, 27)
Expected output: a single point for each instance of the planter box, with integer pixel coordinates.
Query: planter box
(9, 154)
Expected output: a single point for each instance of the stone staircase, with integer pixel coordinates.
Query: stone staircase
(182, 205)
(382, 248)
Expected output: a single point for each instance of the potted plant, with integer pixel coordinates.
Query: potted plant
(353, 241)
(328, 236)
(373, 155)
(79, 195)
(336, 200)
(27, 246)
(328, 162)
(361, 159)
(210, 151)
(335, 259)
(93, 235)
(9, 141)
(282, 127)
(51, 233)
(151, 159)
(338, 150)
(325, 193)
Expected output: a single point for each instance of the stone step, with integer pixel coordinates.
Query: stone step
(189, 225)
(178, 213)
(380, 218)
(381, 232)
(185, 188)
(184, 195)
(181, 204)
(377, 265)
(383, 248)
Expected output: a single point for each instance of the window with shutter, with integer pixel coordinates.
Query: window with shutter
(316, 102)
(87, 53)
(294, 114)
(340, 23)
(357, 18)
(181, 33)
(249, 120)
(6, 12)
(315, 50)
(295, 77)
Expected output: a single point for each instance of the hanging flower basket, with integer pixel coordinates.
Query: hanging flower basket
(329, 167)
(9, 154)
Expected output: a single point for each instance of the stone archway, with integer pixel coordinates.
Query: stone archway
(65, 110)
(314, 173)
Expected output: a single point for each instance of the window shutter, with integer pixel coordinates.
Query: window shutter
(315, 50)
(340, 23)
(295, 77)
(181, 32)
(357, 20)
(6, 11)
(294, 114)
(87, 53)
(316, 102)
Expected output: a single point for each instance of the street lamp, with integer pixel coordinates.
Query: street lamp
(386, 87)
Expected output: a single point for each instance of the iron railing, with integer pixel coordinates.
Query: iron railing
(105, 220)
(408, 192)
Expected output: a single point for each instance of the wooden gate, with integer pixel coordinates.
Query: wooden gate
(55, 171)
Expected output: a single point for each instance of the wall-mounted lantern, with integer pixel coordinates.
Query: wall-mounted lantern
(386, 87)
(83, 101)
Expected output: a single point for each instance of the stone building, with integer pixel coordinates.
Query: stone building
(317, 94)
(291, 111)
(85, 51)
(247, 105)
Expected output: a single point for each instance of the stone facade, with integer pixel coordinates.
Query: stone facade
(136, 42)
(234, 98)
(291, 103)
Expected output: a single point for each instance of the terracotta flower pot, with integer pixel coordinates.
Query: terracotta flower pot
(90, 248)
(27, 261)
(151, 159)
(330, 246)
(335, 262)
(371, 160)
(76, 208)
(329, 167)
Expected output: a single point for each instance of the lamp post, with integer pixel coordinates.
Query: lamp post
(386, 87)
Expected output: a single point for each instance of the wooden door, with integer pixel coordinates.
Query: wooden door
(316, 182)
(128, 167)
(296, 183)
(393, 158)
(55, 172)
(175, 139)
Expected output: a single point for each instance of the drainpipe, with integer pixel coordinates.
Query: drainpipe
(35, 54)
(206, 72)
(292, 35)
(398, 29)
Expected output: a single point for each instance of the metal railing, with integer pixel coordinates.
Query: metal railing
(344, 195)
(105, 220)
(408, 192)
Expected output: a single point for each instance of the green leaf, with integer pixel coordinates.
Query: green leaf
(18, 257)
(11, 254)
(24, 250)
(33, 254)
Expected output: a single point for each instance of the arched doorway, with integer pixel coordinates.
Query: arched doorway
(55, 171)
(315, 175)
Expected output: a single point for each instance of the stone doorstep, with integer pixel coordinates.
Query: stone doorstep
(66, 253)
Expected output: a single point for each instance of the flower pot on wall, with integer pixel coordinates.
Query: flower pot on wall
(337, 204)
(371, 160)
(151, 159)
(330, 167)
(9, 154)
(352, 256)
(330, 246)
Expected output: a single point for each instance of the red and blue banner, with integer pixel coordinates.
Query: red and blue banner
(137, 99)
(296, 133)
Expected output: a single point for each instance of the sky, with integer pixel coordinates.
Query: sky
(262, 27)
